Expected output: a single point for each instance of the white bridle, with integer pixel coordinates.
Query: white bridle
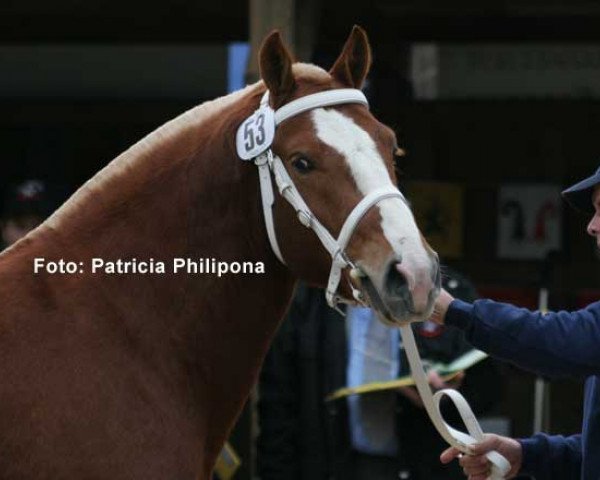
(268, 163)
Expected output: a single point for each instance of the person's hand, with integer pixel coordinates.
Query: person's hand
(456, 381)
(441, 307)
(476, 466)
(436, 383)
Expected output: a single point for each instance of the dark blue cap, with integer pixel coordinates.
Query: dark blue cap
(579, 195)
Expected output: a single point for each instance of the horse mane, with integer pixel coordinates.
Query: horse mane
(180, 128)
(182, 131)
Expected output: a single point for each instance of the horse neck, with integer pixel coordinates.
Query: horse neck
(198, 201)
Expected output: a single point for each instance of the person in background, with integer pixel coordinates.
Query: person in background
(384, 435)
(552, 345)
(26, 205)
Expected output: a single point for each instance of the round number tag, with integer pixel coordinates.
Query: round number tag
(255, 134)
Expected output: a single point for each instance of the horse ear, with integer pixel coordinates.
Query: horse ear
(275, 63)
(353, 64)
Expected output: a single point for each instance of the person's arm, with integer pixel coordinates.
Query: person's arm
(552, 457)
(553, 345)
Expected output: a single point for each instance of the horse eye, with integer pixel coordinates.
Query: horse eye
(303, 164)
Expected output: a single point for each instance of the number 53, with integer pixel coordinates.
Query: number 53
(254, 132)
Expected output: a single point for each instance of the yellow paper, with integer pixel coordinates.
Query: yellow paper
(446, 371)
(227, 463)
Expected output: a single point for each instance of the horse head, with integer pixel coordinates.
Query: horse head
(336, 171)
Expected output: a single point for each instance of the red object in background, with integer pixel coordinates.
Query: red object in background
(429, 329)
(587, 296)
(521, 297)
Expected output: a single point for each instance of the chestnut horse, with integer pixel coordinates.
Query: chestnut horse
(131, 376)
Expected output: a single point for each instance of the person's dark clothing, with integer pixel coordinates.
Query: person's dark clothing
(553, 345)
(300, 436)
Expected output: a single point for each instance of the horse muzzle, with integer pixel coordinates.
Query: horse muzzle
(401, 294)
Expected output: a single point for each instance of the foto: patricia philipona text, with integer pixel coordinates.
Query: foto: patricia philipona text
(201, 266)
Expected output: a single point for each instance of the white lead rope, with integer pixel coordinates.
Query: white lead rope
(460, 440)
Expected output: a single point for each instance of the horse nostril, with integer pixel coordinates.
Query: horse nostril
(397, 280)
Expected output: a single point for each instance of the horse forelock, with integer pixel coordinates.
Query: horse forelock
(308, 71)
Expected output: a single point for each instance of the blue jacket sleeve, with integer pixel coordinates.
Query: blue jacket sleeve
(552, 457)
(553, 345)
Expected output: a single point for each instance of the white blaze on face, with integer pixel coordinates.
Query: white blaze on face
(370, 173)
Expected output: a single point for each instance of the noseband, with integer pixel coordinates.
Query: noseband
(261, 126)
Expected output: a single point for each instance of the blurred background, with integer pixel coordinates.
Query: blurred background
(496, 104)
